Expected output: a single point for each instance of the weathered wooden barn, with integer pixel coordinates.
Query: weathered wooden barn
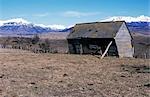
(112, 38)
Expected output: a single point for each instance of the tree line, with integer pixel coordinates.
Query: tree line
(34, 44)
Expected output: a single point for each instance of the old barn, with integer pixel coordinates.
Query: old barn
(102, 38)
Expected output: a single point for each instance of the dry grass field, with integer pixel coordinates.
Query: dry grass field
(25, 74)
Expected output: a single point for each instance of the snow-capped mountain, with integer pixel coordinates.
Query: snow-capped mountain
(139, 24)
(21, 26)
(129, 19)
(15, 21)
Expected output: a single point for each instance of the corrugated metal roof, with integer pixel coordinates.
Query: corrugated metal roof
(95, 30)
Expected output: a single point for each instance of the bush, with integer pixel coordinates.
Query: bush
(35, 39)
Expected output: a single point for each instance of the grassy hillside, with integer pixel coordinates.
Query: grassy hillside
(24, 74)
(141, 45)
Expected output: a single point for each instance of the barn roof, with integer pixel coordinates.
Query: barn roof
(95, 30)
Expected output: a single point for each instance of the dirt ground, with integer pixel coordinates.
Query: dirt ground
(25, 74)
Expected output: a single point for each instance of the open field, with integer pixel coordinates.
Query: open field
(25, 74)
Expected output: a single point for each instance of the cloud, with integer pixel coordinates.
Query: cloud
(79, 14)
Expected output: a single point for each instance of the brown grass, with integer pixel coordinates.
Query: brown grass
(25, 74)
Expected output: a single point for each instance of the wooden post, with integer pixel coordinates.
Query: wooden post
(145, 55)
(81, 49)
(106, 50)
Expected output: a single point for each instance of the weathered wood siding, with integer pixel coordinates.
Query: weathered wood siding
(92, 46)
(74, 46)
(124, 42)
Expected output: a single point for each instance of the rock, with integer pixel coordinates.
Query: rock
(64, 75)
(32, 83)
(90, 84)
(1, 76)
(147, 85)
(122, 76)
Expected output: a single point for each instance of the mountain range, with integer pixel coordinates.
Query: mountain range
(18, 26)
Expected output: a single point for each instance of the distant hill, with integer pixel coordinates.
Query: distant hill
(141, 45)
(139, 27)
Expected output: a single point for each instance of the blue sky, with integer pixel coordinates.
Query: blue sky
(68, 12)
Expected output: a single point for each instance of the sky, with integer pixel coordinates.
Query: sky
(69, 12)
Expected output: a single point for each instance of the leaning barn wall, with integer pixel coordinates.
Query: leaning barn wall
(124, 42)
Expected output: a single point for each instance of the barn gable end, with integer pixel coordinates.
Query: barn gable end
(124, 42)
